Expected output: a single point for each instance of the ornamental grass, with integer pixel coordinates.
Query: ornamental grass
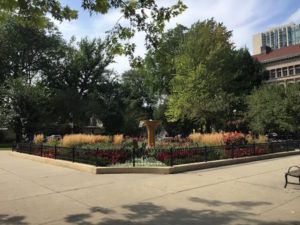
(260, 139)
(118, 139)
(207, 139)
(73, 140)
(38, 139)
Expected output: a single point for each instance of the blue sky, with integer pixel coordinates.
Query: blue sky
(243, 17)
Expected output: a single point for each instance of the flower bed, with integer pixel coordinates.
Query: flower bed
(134, 154)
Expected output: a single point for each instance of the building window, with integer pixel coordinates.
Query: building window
(278, 72)
(291, 70)
(272, 74)
(284, 71)
(297, 69)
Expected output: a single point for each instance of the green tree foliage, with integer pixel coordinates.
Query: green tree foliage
(138, 102)
(160, 65)
(211, 76)
(27, 51)
(293, 105)
(74, 75)
(82, 80)
(196, 77)
(25, 107)
(146, 16)
(247, 73)
(202, 71)
(33, 12)
(274, 108)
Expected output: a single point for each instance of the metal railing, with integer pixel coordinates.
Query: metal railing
(132, 157)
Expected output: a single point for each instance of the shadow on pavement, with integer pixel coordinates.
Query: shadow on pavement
(146, 213)
(240, 204)
(10, 220)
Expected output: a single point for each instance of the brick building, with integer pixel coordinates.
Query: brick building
(283, 64)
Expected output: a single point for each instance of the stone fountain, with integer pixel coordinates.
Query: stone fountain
(151, 126)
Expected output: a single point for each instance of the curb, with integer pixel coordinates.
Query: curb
(57, 162)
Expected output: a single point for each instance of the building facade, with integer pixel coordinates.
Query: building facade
(277, 37)
(283, 64)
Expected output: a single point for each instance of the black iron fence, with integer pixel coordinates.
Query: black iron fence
(134, 156)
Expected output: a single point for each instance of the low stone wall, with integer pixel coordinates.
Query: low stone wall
(226, 162)
(153, 170)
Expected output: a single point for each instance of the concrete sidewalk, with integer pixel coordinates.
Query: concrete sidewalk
(253, 193)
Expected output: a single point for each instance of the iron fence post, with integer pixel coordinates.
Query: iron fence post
(254, 148)
(97, 151)
(42, 150)
(171, 160)
(73, 154)
(205, 153)
(287, 145)
(55, 152)
(135, 146)
(133, 157)
(271, 147)
(232, 151)
(30, 148)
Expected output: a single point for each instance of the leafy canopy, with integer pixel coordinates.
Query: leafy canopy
(143, 15)
(274, 108)
(211, 77)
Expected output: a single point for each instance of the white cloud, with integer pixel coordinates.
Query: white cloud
(294, 18)
(244, 18)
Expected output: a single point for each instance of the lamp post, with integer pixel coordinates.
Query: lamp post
(71, 123)
(234, 117)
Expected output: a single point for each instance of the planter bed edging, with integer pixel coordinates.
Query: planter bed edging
(57, 162)
(153, 170)
(227, 162)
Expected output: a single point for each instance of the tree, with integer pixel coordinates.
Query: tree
(293, 105)
(202, 72)
(34, 12)
(212, 78)
(138, 103)
(247, 73)
(25, 107)
(27, 51)
(80, 82)
(142, 15)
(274, 108)
(75, 76)
(159, 65)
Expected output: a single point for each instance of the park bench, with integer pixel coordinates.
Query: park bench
(293, 173)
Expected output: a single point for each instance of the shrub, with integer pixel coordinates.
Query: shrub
(73, 140)
(38, 139)
(118, 139)
(234, 138)
(260, 139)
(100, 138)
(207, 139)
(52, 141)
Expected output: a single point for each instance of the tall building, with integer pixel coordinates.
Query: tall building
(276, 38)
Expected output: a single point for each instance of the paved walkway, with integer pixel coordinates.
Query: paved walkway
(253, 193)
